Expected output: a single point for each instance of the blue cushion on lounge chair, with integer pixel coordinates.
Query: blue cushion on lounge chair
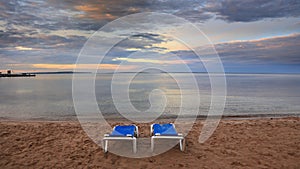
(164, 129)
(123, 131)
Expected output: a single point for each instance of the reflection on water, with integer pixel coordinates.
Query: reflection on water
(50, 96)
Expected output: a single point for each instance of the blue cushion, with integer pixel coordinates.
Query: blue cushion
(164, 129)
(123, 130)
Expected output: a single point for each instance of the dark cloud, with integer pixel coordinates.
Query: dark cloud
(148, 36)
(143, 41)
(63, 56)
(36, 17)
(92, 14)
(45, 49)
(9, 41)
(279, 50)
(112, 9)
(253, 10)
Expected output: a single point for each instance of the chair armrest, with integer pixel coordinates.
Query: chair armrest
(137, 131)
(151, 129)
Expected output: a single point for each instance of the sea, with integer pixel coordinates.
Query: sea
(50, 97)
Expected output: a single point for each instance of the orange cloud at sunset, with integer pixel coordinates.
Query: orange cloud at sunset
(93, 12)
(63, 67)
(86, 8)
(67, 67)
(79, 66)
(153, 61)
(23, 48)
(171, 46)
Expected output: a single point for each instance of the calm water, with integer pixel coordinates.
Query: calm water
(50, 96)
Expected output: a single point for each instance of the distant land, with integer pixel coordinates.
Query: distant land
(151, 71)
(60, 72)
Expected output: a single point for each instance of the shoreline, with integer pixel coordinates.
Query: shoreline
(199, 117)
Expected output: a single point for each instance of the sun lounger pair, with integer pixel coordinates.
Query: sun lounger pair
(130, 132)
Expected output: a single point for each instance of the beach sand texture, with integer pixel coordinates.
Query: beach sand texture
(255, 143)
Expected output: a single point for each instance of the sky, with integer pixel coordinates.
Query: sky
(249, 36)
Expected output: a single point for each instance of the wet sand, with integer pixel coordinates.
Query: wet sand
(243, 143)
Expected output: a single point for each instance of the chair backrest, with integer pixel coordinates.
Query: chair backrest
(164, 129)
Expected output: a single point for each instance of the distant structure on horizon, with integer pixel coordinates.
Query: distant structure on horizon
(10, 74)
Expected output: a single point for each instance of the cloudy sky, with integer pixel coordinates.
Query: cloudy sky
(249, 36)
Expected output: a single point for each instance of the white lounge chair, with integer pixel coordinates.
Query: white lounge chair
(166, 131)
(122, 132)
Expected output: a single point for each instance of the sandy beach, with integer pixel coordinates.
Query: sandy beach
(243, 143)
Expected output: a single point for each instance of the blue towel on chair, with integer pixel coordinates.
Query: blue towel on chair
(164, 129)
(123, 131)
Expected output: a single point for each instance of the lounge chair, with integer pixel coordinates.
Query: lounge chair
(122, 132)
(166, 131)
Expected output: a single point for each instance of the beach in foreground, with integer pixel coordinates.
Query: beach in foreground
(250, 143)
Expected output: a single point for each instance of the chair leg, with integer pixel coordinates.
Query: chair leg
(152, 144)
(134, 145)
(105, 145)
(180, 144)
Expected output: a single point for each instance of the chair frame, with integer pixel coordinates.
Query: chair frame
(129, 137)
(179, 137)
